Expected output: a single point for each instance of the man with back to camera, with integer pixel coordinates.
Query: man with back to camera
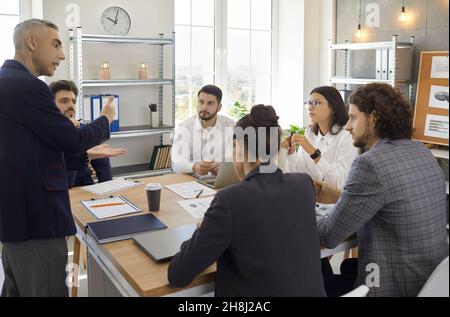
(394, 198)
(35, 216)
(200, 134)
(78, 171)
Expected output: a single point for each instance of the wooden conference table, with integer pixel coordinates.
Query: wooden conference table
(121, 268)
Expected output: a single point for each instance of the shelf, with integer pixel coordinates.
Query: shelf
(138, 171)
(368, 46)
(364, 81)
(136, 82)
(119, 39)
(438, 153)
(135, 131)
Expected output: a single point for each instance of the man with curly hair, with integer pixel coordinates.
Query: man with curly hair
(394, 200)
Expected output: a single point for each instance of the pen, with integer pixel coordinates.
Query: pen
(107, 205)
(199, 193)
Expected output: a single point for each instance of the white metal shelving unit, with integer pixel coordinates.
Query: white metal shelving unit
(78, 40)
(393, 46)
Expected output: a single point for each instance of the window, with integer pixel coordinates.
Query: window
(9, 18)
(195, 59)
(227, 43)
(249, 47)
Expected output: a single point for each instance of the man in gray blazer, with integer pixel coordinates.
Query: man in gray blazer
(394, 197)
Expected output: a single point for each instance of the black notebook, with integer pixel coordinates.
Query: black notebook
(124, 228)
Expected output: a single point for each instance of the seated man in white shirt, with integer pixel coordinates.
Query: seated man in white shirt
(201, 142)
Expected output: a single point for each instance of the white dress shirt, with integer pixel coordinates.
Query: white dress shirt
(193, 144)
(337, 156)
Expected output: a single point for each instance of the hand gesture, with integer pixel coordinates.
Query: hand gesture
(215, 168)
(75, 122)
(325, 193)
(299, 139)
(108, 110)
(103, 151)
(202, 168)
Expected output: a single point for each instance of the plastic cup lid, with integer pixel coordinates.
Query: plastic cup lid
(153, 186)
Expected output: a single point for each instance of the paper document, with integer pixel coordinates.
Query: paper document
(323, 210)
(436, 126)
(439, 67)
(111, 186)
(196, 207)
(438, 97)
(110, 207)
(191, 190)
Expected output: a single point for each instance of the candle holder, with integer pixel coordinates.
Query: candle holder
(106, 72)
(143, 71)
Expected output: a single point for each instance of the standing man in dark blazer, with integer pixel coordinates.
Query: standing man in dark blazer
(35, 215)
(262, 232)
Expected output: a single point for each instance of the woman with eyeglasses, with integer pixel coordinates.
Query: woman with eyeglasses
(326, 150)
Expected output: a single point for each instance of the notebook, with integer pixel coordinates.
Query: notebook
(163, 245)
(124, 228)
(110, 207)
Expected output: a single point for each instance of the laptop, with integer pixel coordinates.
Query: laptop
(225, 176)
(163, 245)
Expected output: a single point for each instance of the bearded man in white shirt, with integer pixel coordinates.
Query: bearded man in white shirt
(203, 141)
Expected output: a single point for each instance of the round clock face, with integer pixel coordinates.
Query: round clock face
(115, 21)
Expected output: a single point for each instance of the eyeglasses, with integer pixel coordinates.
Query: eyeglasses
(313, 103)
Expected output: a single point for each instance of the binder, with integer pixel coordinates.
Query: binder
(384, 64)
(378, 64)
(163, 157)
(87, 108)
(158, 155)
(169, 157)
(153, 158)
(96, 107)
(124, 228)
(115, 124)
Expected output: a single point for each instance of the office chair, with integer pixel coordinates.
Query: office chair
(437, 284)
(360, 291)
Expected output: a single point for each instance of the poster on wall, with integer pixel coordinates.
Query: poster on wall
(436, 127)
(439, 67)
(438, 97)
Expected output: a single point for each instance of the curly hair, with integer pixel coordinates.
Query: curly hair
(393, 112)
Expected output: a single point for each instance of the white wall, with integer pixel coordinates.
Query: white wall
(149, 18)
(288, 91)
(304, 27)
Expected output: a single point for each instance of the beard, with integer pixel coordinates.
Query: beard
(206, 116)
(363, 142)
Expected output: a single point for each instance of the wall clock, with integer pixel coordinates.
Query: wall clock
(115, 21)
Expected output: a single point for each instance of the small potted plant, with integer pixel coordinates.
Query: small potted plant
(294, 129)
(238, 111)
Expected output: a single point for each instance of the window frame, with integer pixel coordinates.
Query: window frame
(220, 72)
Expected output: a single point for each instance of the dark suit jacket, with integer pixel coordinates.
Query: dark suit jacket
(34, 200)
(79, 173)
(263, 234)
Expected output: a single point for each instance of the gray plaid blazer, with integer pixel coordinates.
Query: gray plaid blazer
(395, 200)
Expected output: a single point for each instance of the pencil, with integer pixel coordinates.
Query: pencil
(107, 205)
